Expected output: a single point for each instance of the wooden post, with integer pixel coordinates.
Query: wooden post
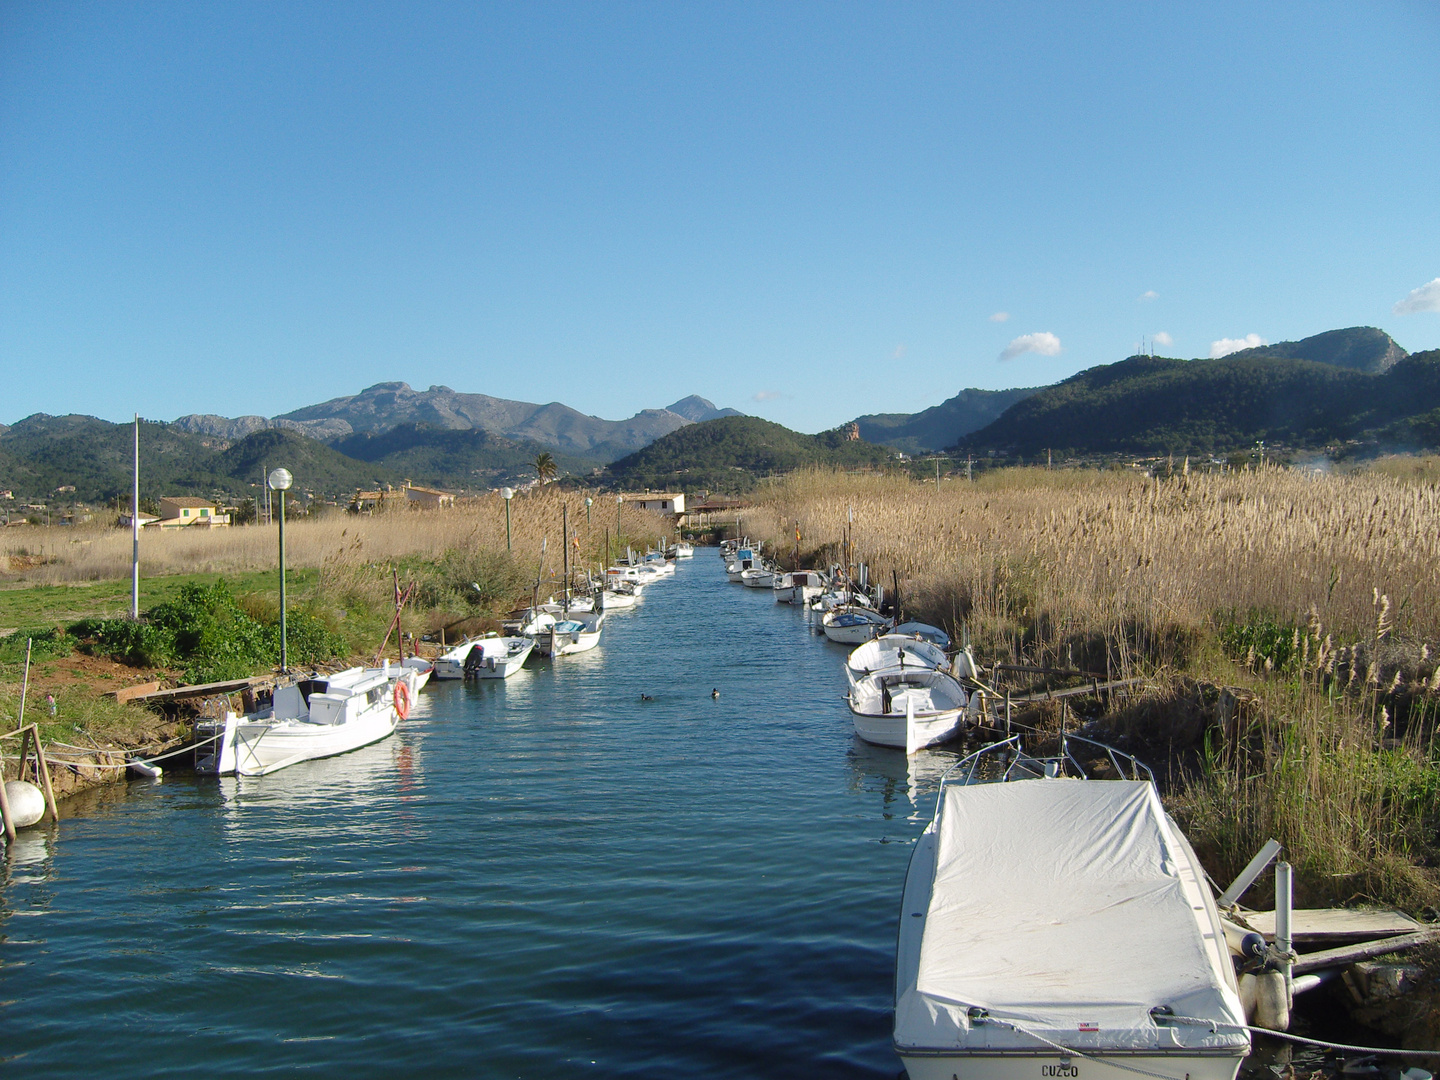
(44, 768)
(5, 817)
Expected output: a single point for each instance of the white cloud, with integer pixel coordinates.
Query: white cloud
(767, 395)
(1148, 295)
(899, 353)
(1425, 298)
(1163, 339)
(1046, 344)
(1000, 316)
(1225, 346)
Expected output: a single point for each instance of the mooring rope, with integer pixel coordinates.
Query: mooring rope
(138, 761)
(1215, 1025)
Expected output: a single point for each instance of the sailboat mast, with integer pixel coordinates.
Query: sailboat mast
(565, 547)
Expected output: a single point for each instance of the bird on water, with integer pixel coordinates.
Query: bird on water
(715, 694)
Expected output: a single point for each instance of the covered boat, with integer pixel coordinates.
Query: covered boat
(909, 709)
(893, 652)
(853, 625)
(1062, 927)
(313, 718)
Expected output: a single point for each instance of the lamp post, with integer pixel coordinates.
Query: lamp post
(588, 501)
(280, 480)
(507, 494)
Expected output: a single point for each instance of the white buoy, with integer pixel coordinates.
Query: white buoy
(27, 802)
(154, 772)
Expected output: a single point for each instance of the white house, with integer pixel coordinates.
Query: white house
(664, 502)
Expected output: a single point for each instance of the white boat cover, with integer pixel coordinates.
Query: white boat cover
(1059, 905)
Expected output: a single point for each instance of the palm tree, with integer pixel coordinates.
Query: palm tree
(544, 466)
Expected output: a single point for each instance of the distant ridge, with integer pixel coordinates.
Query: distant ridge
(1150, 405)
(940, 425)
(732, 453)
(388, 404)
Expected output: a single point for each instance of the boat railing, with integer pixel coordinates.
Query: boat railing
(1026, 766)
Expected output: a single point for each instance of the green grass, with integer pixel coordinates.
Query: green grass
(39, 606)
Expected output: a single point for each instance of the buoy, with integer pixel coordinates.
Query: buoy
(154, 772)
(27, 802)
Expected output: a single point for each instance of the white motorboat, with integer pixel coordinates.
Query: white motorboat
(313, 718)
(798, 586)
(894, 652)
(656, 561)
(909, 708)
(1058, 927)
(451, 663)
(620, 593)
(758, 576)
(567, 636)
(852, 625)
(488, 657)
(681, 550)
(743, 559)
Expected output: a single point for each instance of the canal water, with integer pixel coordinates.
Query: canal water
(541, 877)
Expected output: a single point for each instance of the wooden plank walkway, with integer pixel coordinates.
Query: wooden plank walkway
(1337, 925)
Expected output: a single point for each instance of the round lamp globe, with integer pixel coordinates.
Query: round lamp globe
(280, 479)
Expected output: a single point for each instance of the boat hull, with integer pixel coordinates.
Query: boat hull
(888, 729)
(852, 635)
(1042, 1065)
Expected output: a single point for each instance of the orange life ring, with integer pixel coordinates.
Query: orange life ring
(402, 699)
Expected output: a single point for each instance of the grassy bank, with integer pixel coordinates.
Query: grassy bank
(1289, 621)
(211, 599)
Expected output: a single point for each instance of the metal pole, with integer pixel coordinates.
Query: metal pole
(1284, 904)
(135, 530)
(508, 546)
(284, 665)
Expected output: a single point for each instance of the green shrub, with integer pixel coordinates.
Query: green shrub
(45, 644)
(206, 630)
(1262, 643)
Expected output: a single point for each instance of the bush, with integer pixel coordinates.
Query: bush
(483, 578)
(45, 644)
(206, 630)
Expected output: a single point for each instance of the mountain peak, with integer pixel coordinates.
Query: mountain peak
(697, 409)
(1361, 348)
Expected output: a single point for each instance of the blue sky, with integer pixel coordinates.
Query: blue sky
(804, 211)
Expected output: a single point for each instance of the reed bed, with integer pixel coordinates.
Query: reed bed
(331, 541)
(1332, 577)
(1058, 556)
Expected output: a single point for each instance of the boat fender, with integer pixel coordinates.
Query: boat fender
(1272, 1003)
(402, 699)
(27, 803)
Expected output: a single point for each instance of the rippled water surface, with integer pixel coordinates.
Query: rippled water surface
(540, 877)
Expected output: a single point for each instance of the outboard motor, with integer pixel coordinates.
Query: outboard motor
(473, 660)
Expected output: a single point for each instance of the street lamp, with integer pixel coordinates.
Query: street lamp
(280, 480)
(507, 494)
(588, 501)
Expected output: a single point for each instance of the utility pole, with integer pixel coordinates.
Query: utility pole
(135, 530)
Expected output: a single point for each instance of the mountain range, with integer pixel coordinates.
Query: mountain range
(1343, 387)
(381, 407)
(1342, 391)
